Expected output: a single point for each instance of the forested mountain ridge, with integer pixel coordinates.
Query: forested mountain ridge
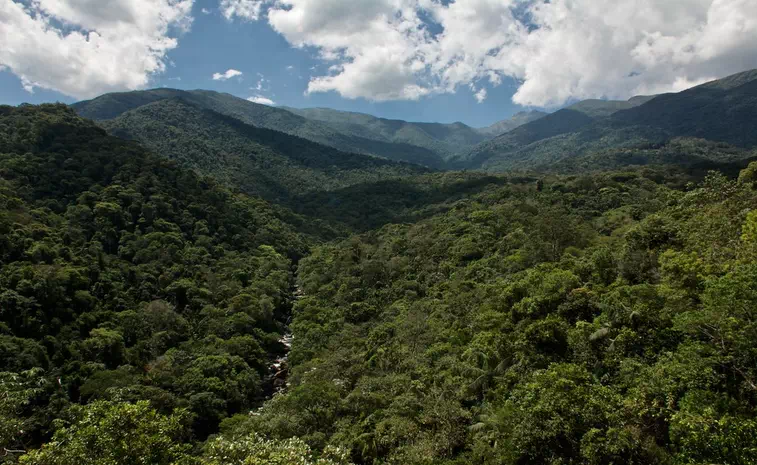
(443, 139)
(564, 121)
(427, 144)
(110, 106)
(262, 162)
(720, 111)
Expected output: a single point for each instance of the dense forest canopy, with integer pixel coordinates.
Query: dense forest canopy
(441, 318)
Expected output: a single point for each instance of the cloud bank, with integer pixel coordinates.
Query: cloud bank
(556, 50)
(84, 48)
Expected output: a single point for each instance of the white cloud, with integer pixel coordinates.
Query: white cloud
(245, 9)
(230, 73)
(261, 100)
(205, 11)
(480, 95)
(556, 50)
(84, 48)
(375, 44)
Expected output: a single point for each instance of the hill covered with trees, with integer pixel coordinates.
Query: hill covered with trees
(127, 278)
(110, 106)
(445, 140)
(441, 318)
(261, 162)
(721, 111)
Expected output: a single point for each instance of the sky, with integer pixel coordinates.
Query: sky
(475, 61)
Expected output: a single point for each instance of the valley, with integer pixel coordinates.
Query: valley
(187, 277)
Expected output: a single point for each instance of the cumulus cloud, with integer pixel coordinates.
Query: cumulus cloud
(230, 73)
(83, 48)
(555, 50)
(261, 100)
(245, 9)
(374, 44)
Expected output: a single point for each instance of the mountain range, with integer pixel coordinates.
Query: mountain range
(260, 161)
(427, 144)
(590, 134)
(723, 111)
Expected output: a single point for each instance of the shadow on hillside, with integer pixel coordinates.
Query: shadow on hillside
(365, 207)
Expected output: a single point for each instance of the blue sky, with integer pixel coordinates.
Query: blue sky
(475, 61)
(215, 44)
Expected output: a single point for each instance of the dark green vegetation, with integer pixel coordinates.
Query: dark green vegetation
(565, 121)
(721, 111)
(593, 320)
(593, 134)
(439, 318)
(124, 277)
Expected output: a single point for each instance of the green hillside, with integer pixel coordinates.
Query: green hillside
(445, 140)
(262, 162)
(560, 122)
(571, 119)
(595, 108)
(720, 111)
(124, 276)
(112, 105)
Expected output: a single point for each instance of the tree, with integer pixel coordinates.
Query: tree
(252, 449)
(114, 433)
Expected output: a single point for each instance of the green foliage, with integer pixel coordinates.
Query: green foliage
(440, 140)
(125, 276)
(579, 321)
(254, 450)
(587, 319)
(105, 433)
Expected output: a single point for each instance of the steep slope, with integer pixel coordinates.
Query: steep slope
(110, 106)
(124, 276)
(561, 122)
(262, 162)
(516, 121)
(565, 121)
(445, 140)
(721, 111)
(724, 110)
